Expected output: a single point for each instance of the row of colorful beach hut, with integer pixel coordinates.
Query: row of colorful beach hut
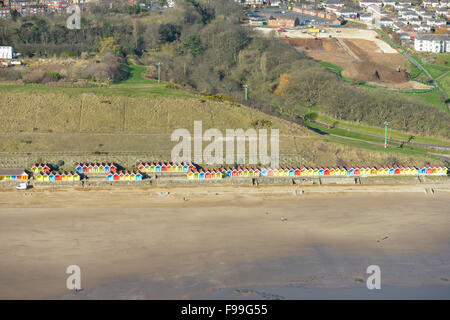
(165, 167)
(57, 176)
(13, 174)
(96, 168)
(308, 171)
(125, 176)
(41, 167)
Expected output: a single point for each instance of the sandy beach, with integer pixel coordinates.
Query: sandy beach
(218, 242)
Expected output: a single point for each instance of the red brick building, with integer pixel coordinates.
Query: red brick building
(284, 22)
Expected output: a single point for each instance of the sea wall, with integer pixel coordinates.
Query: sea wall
(175, 180)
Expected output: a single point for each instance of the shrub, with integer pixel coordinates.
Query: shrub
(35, 76)
(10, 74)
(312, 116)
(54, 75)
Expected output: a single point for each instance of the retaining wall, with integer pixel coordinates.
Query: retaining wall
(175, 181)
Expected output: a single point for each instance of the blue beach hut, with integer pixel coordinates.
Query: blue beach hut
(423, 170)
(264, 172)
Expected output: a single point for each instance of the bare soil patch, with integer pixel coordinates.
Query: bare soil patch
(361, 59)
(316, 44)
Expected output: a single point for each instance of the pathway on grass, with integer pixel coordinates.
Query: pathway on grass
(442, 75)
(393, 144)
(405, 142)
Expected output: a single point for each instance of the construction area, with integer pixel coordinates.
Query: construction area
(360, 53)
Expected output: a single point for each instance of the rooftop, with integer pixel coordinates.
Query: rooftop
(431, 37)
(12, 172)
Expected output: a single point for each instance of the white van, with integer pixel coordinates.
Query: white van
(22, 186)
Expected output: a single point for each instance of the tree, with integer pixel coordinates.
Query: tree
(194, 45)
(14, 15)
(169, 32)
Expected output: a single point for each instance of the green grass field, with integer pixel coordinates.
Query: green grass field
(444, 82)
(331, 66)
(432, 98)
(436, 70)
(372, 143)
(136, 76)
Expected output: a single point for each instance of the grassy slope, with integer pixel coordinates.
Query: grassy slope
(436, 70)
(370, 142)
(376, 131)
(138, 115)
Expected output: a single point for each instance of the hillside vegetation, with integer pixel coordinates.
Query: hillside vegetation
(202, 45)
(47, 120)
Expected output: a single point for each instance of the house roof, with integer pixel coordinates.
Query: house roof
(12, 172)
(437, 37)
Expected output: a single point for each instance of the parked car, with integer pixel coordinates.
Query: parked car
(22, 186)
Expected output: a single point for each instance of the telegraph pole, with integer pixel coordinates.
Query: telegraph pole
(385, 133)
(159, 71)
(246, 91)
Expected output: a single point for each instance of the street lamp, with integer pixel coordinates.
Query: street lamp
(246, 91)
(159, 71)
(385, 133)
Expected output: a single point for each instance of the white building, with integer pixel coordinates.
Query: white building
(385, 22)
(388, 2)
(436, 22)
(374, 10)
(432, 43)
(397, 25)
(366, 3)
(430, 3)
(366, 17)
(4, 12)
(6, 52)
(336, 3)
(424, 28)
(442, 12)
(347, 13)
(415, 21)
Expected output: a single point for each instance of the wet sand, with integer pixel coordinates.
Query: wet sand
(241, 243)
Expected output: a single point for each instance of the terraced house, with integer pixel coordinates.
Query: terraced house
(432, 43)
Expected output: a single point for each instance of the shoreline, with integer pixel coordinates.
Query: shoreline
(288, 189)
